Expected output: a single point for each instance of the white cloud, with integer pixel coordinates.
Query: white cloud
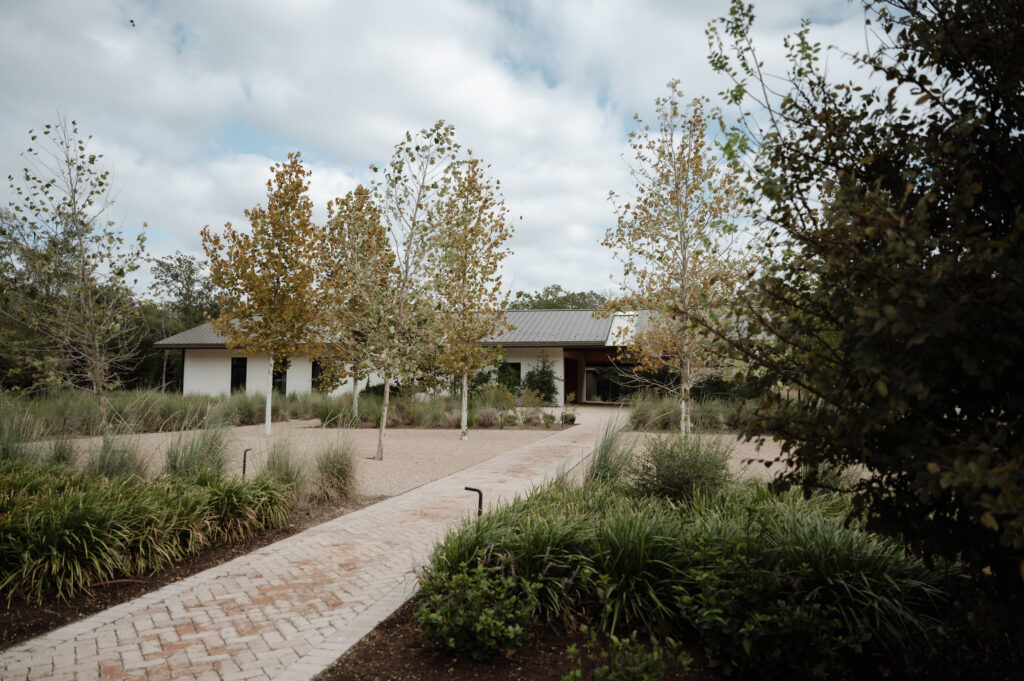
(193, 103)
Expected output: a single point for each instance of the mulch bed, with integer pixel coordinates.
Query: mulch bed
(395, 651)
(22, 621)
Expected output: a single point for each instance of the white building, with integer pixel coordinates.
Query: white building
(574, 341)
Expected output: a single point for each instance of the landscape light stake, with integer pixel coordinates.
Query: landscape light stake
(480, 500)
(244, 457)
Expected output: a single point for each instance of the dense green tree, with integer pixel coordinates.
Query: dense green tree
(69, 272)
(894, 296)
(554, 297)
(186, 288)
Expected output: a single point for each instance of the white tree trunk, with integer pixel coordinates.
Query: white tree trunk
(465, 403)
(684, 422)
(383, 417)
(270, 392)
(355, 398)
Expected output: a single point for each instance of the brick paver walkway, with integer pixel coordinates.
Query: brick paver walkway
(288, 610)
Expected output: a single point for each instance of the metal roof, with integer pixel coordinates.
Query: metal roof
(202, 336)
(553, 327)
(529, 328)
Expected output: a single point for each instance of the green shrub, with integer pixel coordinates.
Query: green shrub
(495, 396)
(63, 531)
(775, 586)
(679, 468)
(781, 588)
(115, 458)
(203, 454)
(335, 473)
(542, 380)
(628, 658)
(549, 419)
(479, 611)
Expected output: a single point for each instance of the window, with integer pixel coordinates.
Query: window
(238, 370)
(510, 375)
(280, 382)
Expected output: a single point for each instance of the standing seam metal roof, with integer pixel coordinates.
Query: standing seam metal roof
(202, 336)
(529, 328)
(553, 327)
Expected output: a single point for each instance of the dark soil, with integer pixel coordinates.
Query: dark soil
(395, 651)
(22, 621)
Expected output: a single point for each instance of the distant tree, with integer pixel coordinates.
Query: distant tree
(190, 294)
(554, 297)
(268, 278)
(468, 249)
(674, 240)
(69, 273)
(896, 300)
(357, 268)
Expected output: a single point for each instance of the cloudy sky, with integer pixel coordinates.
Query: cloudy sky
(191, 101)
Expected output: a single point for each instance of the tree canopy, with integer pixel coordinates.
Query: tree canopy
(894, 302)
(554, 297)
(269, 277)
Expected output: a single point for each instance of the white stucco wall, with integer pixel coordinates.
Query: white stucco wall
(207, 372)
(528, 358)
(299, 380)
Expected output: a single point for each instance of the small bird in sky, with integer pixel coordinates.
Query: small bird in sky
(132, 22)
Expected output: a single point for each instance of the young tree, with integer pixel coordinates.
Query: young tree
(673, 239)
(269, 277)
(70, 288)
(408, 191)
(895, 302)
(467, 253)
(358, 268)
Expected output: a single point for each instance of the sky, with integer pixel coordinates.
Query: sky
(191, 101)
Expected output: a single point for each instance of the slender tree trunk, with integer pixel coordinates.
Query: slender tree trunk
(270, 392)
(355, 398)
(684, 416)
(383, 417)
(163, 374)
(465, 403)
(101, 403)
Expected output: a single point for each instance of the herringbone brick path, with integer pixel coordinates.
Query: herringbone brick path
(288, 610)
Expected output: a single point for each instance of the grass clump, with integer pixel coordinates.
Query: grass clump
(610, 459)
(115, 458)
(284, 469)
(202, 455)
(679, 468)
(335, 474)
